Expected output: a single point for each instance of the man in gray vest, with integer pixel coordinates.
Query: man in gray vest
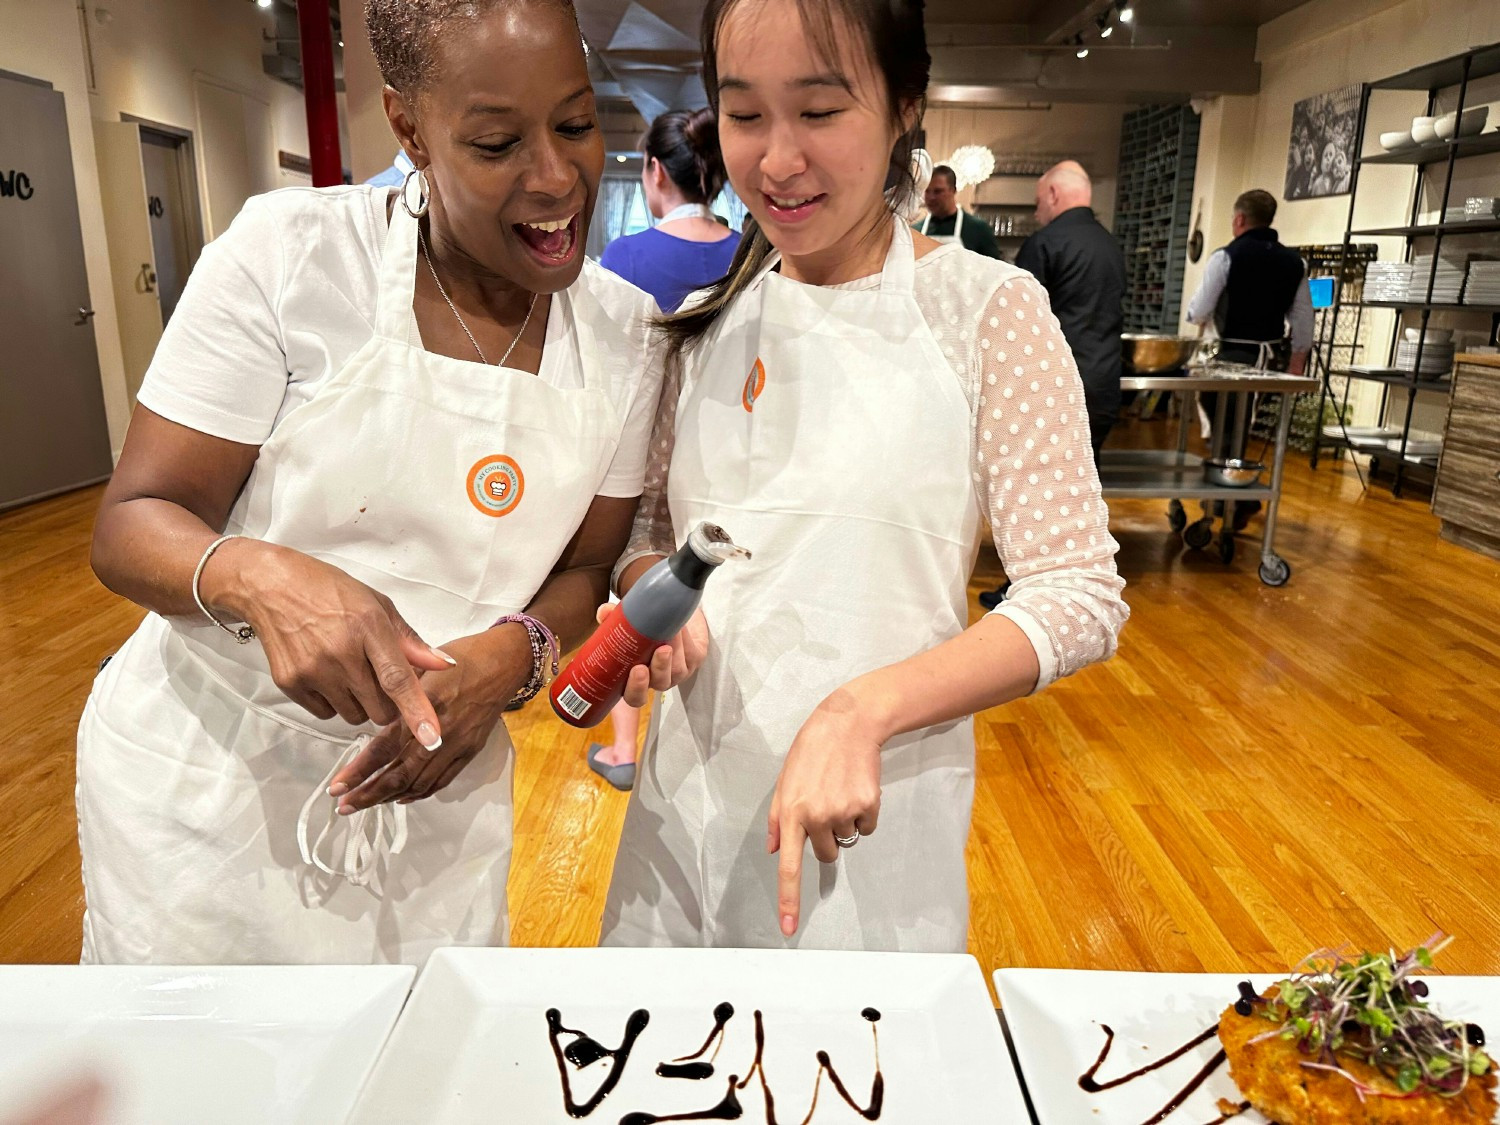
(1253, 290)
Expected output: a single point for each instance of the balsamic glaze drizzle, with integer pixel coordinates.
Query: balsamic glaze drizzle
(585, 1050)
(700, 1070)
(825, 1065)
(727, 1110)
(1088, 1082)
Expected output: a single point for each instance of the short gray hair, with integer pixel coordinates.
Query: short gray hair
(403, 32)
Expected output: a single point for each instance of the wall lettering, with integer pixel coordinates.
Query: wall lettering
(156, 208)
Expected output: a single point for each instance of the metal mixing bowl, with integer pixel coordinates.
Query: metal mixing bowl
(1152, 355)
(1232, 472)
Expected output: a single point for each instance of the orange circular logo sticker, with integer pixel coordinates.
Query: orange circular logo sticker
(755, 383)
(496, 485)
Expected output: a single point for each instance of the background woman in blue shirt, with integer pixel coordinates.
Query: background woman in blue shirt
(687, 249)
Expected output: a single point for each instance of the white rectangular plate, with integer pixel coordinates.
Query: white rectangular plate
(239, 1044)
(473, 1044)
(1055, 1018)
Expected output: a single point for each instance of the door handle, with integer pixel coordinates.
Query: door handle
(147, 278)
(84, 316)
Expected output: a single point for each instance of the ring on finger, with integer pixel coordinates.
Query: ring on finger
(846, 841)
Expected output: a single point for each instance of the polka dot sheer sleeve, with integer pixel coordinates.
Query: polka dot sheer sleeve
(1034, 468)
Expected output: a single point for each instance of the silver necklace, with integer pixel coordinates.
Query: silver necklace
(438, 282)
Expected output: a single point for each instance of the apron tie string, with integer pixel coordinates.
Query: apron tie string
(371, 834)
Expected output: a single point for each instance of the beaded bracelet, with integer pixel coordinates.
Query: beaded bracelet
(545, 655)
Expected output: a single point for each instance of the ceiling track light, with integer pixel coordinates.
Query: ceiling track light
(1106, 28)
(1083, 52)
(1127, 12)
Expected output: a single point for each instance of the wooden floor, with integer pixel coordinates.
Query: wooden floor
(1260, 772)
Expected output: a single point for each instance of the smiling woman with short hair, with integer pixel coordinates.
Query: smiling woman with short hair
(378, 422)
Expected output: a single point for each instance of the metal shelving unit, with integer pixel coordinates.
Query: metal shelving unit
(1158, 161)
(1452, 73)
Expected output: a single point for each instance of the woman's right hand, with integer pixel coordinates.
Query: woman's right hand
(671, 663)
(335, 646)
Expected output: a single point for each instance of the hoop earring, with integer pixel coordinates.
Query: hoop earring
(424, 194)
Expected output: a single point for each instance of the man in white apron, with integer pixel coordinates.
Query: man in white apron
(948, 223)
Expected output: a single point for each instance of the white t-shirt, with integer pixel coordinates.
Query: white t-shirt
(284, 297)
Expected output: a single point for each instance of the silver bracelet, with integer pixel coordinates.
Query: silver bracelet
(244, 634)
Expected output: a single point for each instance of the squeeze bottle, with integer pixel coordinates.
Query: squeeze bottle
(649, 616)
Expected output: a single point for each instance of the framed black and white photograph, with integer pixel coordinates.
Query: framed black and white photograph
(1320, 159)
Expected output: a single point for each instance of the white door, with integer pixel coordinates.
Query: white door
(239, 150)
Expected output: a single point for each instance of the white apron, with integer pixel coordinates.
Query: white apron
(842, 461)
(954, 239)
(453, 488)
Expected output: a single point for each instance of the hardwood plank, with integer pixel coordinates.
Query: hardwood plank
(1258, 773)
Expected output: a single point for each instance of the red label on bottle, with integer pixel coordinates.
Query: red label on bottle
(595, 680)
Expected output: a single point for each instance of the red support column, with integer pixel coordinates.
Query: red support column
(316, 30)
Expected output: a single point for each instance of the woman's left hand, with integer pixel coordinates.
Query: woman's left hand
(829, 786)
(469, 698)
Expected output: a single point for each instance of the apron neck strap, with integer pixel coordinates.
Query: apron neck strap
(398, 277)
(898, 275)
(687, 211)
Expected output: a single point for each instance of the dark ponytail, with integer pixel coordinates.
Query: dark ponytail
(896, 38)
(686, 143)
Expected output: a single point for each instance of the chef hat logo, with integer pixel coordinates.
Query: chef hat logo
(495, 485)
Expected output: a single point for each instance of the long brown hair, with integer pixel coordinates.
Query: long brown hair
(894, 33)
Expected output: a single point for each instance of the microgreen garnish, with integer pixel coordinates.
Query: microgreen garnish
(1373, 1009)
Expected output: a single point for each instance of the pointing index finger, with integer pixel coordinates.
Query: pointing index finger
(789, 877)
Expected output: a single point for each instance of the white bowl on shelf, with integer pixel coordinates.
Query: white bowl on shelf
(1473, 123)
(1395, 142)
(1434, 335)
(1422, 131)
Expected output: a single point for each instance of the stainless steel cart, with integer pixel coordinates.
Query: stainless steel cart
(1177, 475)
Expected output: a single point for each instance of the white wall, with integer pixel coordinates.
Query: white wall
(1319, 47)
(371, 143)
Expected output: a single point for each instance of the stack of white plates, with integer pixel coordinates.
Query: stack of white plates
(1421, 445)
(1482, 207)
(1447, 285)
(1364, 437)
(1387, 281)
(1437, 359)
(1484, 284)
